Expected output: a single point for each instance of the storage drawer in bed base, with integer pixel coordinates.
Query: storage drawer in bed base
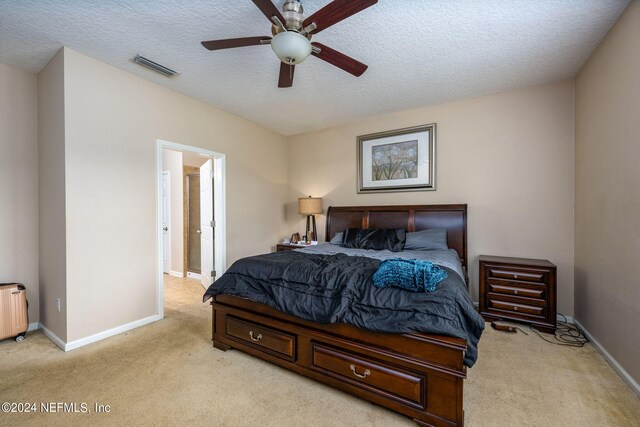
(427, 388)
(256, 335)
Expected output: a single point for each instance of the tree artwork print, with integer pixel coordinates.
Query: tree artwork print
(395, 161)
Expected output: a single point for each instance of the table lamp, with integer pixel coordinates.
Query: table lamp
(310, 206)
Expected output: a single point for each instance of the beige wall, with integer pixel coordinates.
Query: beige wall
(51, 196)
(19, 182)
(508, 156)
(172, 162)
(113, 120)
(607, 242)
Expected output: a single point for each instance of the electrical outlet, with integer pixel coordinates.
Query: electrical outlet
(58, 304)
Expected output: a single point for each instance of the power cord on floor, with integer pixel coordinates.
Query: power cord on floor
(567, 334)
(503, 327)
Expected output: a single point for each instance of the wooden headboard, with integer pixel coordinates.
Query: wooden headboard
(411, 217)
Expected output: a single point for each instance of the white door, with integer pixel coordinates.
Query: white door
(166, 233)
(206, 224)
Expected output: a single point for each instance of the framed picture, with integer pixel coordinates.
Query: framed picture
(397, 160)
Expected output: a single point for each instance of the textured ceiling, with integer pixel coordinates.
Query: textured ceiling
(419, 52)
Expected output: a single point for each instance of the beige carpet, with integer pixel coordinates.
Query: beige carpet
(168, 373)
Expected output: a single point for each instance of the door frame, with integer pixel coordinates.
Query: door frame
(219, 212)
(168, 234)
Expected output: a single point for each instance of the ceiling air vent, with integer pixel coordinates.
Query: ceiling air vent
(146, 62)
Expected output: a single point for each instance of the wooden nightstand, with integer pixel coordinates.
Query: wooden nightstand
(519, 289)
(287, 247)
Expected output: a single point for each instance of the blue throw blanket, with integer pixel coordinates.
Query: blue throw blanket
(410, 274)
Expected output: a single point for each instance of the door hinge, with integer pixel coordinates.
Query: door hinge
(211, 173)
(213, 274)
(213, 223)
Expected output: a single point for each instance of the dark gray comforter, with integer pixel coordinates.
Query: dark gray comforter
(339, 289)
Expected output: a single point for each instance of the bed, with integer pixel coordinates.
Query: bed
(414, 373)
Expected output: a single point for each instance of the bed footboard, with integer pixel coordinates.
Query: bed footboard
(418, 375)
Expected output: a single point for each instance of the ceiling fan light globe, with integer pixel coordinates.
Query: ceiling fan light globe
(291, 47)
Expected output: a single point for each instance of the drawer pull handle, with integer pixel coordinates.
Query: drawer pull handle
(515, 276)
(515, 308)
(258, 338)
(363, 376)
(515, 292)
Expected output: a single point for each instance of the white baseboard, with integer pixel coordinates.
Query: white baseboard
(33, 326)
(110, 332)
(633, 384)
(192, 275)
(175, 273)
(53, 337)
(96, 337)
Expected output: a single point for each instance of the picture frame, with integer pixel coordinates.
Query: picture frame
(397, 160)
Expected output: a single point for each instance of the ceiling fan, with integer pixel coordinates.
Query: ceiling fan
(292, 34)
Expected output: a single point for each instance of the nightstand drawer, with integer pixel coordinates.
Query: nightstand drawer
(496, 304)
(525, 275)
(280, 247)
(514, 289)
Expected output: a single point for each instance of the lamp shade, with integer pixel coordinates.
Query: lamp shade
(309, 205)
(291, 47)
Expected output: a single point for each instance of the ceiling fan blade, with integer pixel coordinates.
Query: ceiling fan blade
(230, 43)
(335, 12)
(286, 75)
(340, 60)
(269, 9)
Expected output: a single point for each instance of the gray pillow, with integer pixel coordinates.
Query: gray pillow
(337, 239)
(426, 240)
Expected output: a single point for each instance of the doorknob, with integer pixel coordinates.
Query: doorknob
(198, 231)
(165, 229)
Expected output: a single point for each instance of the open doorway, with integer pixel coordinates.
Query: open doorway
(199, 221)
(193, 231)
(191, 217)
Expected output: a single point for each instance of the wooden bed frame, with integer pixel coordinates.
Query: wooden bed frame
(418, 375)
